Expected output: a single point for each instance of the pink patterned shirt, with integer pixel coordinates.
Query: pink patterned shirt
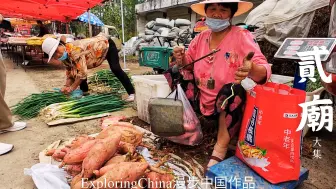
(233, 49)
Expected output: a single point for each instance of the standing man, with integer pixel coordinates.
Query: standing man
(6, 124)
(43, 30)
(5, 25)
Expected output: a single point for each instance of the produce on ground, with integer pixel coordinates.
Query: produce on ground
(77, 155)
(83, 107)
(125, 147)
(74, 170)
(119, 159)
(96, 159)
(79, 141)
(312, 86)
(107, 121)
(129, 133)
(100, 153)
(126, 171)
(158, 180)
(31, 106)
(99, 88)
(107, 78)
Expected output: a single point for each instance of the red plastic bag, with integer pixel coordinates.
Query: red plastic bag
(268, 141)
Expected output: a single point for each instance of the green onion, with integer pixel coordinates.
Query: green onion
(86, 106)
(107, 78)
(30, 106)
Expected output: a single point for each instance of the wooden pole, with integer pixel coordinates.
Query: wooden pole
(90, 27)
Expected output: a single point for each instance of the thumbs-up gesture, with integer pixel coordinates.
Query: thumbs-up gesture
(244, 70)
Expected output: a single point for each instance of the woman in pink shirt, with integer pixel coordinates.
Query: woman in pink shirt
(214, 76)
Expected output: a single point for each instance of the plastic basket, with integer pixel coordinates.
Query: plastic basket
(147, 87)
(155, 57)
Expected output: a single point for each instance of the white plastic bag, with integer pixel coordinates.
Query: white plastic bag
(193, 135)
(48, 176)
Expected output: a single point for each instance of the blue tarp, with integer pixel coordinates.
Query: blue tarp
(234, 174)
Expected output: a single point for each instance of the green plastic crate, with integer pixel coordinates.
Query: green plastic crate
(155, 57)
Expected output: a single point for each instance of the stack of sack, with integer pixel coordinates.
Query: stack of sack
(173, 30)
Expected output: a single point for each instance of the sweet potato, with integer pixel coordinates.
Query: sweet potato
(74, 169)
(75, 180)
(194, 139)
(105, 122)
(121, 172)
(185, 136)
(189, 127)
(123, 124)
(78, 155)
(58, 155)
(82, 184)
(104, 170)
(153, 180)
(80, 140)
(50, 152)
(101, 152)
(129, 135)
(118, 159)
(65, 149)
(139, 184)
(125, 148)
(168, 180)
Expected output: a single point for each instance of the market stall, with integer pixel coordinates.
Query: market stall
(26, 46)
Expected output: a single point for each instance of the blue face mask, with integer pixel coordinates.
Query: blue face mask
(64, 56)
(217, 25)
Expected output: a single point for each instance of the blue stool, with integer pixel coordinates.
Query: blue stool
(234, 174)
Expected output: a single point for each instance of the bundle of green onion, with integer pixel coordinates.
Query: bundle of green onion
(86, 106)
(107, 78)
(30, 106)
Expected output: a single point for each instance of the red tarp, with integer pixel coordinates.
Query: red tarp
(61, 10)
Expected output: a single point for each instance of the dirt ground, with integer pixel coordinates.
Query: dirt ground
(37, 136)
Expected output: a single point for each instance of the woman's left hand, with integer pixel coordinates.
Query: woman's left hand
(243, 71)
(67, 90)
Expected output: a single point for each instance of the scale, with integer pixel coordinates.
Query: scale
(291, 46)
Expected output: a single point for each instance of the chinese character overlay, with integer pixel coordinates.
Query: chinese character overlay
(307, 66)
(314, 113)
(317, 152)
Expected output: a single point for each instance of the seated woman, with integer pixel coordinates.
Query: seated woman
(216, 76)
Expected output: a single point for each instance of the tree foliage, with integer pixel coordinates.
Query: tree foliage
(110, 14)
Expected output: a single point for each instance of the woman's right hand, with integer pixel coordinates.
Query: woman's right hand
(179, 53)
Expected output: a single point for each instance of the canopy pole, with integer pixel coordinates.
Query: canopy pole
(67, 28)
(90, 27)
(123, 33)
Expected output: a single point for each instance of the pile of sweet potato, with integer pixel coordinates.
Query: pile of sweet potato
(110, 157)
